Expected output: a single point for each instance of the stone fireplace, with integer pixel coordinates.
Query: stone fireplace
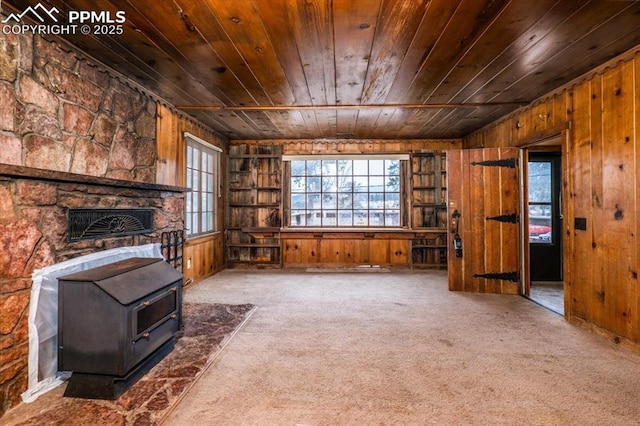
(34, 234)
(74, 135)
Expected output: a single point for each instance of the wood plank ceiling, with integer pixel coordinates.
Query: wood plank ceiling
(385, 69)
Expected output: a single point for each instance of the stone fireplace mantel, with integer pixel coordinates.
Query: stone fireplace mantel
(11, 171)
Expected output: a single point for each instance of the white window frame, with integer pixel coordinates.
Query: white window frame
(353, 225)
(202, 176)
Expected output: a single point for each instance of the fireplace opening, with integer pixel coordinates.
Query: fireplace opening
(157, 310)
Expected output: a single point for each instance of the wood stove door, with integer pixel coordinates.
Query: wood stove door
(155, 320)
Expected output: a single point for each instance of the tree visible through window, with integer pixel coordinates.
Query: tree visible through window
(345, 193)
(202, 172)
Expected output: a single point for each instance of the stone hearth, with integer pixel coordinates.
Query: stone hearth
(207, 326)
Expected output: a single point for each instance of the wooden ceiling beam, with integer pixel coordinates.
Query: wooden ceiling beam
(345, 107)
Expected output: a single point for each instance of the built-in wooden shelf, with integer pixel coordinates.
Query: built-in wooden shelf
(254, 194)
(429, 209)
(343, 233)
(255, 205)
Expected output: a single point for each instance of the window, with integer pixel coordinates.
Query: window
(540, 207)
(203, 170)
(345, 191)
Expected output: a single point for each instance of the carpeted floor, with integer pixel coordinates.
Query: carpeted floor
(207, 328)
(394, 348)
(398, 348)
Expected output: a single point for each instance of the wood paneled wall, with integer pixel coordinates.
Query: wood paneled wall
(345, 252)
(601, 184)
(364, 146)
(202, 256)
(348, 249)
(171, 146)
(544, 118)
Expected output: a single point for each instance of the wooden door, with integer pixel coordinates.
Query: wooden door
(483, 188)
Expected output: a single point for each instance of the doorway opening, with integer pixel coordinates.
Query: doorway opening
(543, 220)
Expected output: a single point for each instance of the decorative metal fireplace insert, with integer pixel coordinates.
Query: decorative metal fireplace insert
(115, 322)
(86, 224)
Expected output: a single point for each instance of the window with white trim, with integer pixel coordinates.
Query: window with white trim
(345, 191)
(203, 178)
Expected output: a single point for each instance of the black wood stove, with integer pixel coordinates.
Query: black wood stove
(115, 322)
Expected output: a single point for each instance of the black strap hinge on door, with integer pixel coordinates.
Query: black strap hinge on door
(506, 218)
(513, 276)
(505, 162)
